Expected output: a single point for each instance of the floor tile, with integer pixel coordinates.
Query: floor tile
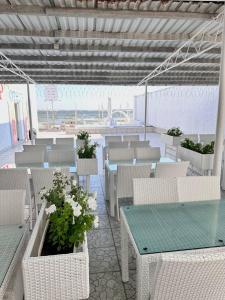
(103, 260)
(106, 286)
(100, 238)
(103, 222)
(130, 286)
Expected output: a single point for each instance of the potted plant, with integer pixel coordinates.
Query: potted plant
(56, 261)
(82, 136)
(200, 155)
(173, 136)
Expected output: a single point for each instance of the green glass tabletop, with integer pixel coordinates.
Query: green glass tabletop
(112, 165)
(10, 237)
(169, 227)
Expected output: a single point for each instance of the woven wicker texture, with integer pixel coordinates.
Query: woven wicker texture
(10, 237)
(120, 154)
(62, 147)
(27, 148)
(42, 178)
(118, 144)
(192, 277)
(86, 166)
(155, 190)
(22, 158)
(12, 206)
(147, 153)
(125, 176)
(44, 141)
(140, 144)
(112, 138)
(61, 156)
(195, 188)
(176, 169)
(175, 226)
(129, 138)
(54, 277)
(11, 179)
(64, 141)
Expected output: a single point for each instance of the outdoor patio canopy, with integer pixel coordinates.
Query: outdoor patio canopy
(106, 42)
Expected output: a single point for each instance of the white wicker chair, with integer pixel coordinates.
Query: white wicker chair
(184, 276)
(112, 138)
(44, 141)
(30, 157)
(113, 145)
(197, 188)
(65, 141)
(129, 138)
(176, 169)
(124, 182)
(64, 157)
(139, 144)
(12, 206)
(121, 154)
(147, 153)
(62, 147)
(11, 179)
(13, 244)
(42, 178)
(29, 148)
(154, 190)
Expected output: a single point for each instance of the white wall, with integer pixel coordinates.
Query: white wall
(192, 108)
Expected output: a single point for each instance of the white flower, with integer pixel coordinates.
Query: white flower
(42, 192)
(57, 170)
(76, 209)
(69, 199)
(51, 209)
(92, 203)
(96, 222)
(74, 182)
(47, 194)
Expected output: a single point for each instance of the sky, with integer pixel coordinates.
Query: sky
(86, 97)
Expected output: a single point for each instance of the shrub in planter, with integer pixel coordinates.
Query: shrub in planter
(174, 131)
(70, 216)
(83, 135)
(88, 150)
(198, 147)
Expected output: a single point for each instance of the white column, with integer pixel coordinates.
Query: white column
(146, 107)
(220, 114)
(30, 113)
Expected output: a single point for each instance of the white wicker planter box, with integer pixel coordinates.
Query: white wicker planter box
(87, 166)
(171, 140)
(200, 161)
(54, 277)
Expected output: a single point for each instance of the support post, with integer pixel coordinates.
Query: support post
(218, 151)
(30, 113)
(146, 107)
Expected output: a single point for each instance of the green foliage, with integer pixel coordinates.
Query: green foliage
(70, 217)
(83, 135)
(88, 150)
(198, 147)
(174, 131)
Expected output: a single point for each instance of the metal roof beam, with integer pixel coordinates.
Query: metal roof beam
(102, 59)
(32, 10)
(95, 48)
(92, 35)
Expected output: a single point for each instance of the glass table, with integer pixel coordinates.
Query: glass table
(158, 228)
(111, 171)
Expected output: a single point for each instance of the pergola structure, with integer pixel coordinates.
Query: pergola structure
(115, 42)
(107, 42)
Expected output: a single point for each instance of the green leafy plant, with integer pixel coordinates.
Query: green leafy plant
(174, 131)
(198, 147)
(83, 135)
(70, 214)
(88, 150)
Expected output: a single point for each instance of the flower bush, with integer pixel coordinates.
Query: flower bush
(70, 214)
(198, 147)
(83, 135)
(88, 150)
(174, 131)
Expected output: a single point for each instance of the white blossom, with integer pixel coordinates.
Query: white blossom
(74, 182)
(42, 192)
(76, 209)
(51, 209)
(69, 199)
(96, 222)
(92, 203)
